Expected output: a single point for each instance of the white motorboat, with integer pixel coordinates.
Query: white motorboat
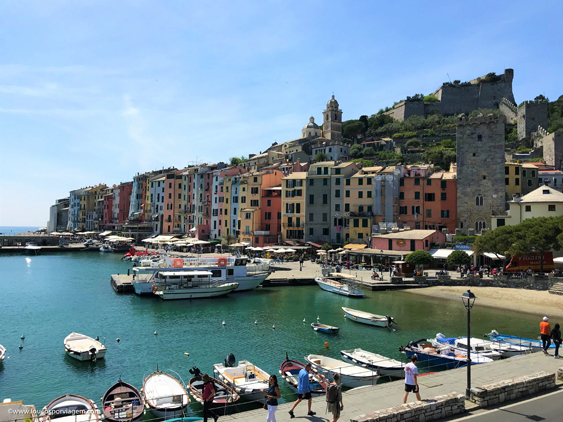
(32, 248)
(188, 285)
(84, 348)
(350, 375)
(2, 353)
(223, 269)
(383, 365)
(459, 344)
(345, 285)
(24, 412)
(368, 318)
(165, 396)
(250, 382)
(70, 408)
(106, 248)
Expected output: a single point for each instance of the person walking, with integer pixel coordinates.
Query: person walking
(334, 397)
(272, 398)
(303, 391)
(556, 337)
(301, 263)
(545, 332)
(411, 379)
(207, 396)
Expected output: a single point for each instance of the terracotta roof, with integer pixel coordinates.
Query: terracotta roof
(406, 234)
(296, 175)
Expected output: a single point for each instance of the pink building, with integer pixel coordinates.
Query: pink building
(407, 240)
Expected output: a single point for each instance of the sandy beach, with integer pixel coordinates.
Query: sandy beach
(530, 301)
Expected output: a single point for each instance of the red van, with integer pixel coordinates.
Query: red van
(533, 261)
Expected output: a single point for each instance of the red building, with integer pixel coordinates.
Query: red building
(125, 190)
(407, 240)
(270, 223)
(108, 208)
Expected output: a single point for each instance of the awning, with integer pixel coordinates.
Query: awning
(494, 255)
(354, 246)
(316, 245)
(558, 260)
(106, 233)
(444, 253)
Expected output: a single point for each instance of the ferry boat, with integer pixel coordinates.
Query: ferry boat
(188, 285)
(70, 408)
(223, 269)
(249, 381)
(345, 285)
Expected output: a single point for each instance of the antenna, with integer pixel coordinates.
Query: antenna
(449, 77)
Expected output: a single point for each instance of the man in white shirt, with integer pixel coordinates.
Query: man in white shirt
(411, 382)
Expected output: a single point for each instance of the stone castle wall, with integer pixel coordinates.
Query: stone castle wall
(508, 109)
(480, 169)
(531, 114)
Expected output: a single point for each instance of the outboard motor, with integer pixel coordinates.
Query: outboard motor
(195, 372)
(390, 321)
(93, 356)
(230, 361)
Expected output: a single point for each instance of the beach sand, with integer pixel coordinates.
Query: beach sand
(530, 301)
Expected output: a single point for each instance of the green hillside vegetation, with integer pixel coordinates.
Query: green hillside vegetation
(555, 121)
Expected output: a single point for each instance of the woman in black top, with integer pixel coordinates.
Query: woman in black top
(272, 398)
(556, 337)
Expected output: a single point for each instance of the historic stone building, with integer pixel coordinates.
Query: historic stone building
(332, 121)
(480, 171)
(530, 115)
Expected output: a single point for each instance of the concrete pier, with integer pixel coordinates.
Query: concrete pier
(122, 283)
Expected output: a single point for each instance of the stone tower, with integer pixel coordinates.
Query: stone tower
(480, 171)
(332, 121)
(532, 114)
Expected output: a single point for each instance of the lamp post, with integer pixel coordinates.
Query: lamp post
(468, 300)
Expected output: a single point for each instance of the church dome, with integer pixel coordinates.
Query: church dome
(332, 102)
(311, 124)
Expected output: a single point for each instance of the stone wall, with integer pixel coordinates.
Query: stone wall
(22, 240)
(508, 109)
(553, 149)
(529, 283)
(511, 389)
(531, 114)
(440, 407)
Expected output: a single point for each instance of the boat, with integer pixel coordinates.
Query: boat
(70, 408)
(439, 356)
(250, 382)
(2, 353)
(367, 318)
(478, 346)
(345, 285)
(289, 371)
(24, 412)
(223, 269)
(224, 395)
(32, 248)
(188, 285)
(106, 248)
(84, 348)
(122, 403)
(351, 376)
(383, 365)
(164, 395)
(323, 328)
(528, 343)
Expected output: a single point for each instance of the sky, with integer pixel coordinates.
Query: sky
(97, 91)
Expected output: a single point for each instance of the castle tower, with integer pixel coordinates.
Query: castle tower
(332, 121)
(532, 114)
(480, 171)
(311, 129)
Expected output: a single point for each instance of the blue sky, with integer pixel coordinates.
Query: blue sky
(95, 92)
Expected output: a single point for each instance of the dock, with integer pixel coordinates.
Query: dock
(123, 283)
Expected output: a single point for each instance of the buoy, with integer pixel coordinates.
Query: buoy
(118, 339)
(274, 327)
(23, 337)
(21, 346)
(156, 333)
(303, 320)
(186, 353)
(256, 322)
(326, 344)
(224, 323)
(318, 318)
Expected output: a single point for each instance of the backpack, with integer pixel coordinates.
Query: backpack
(332, 393)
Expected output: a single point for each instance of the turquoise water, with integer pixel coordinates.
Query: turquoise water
(14, 230)
(47, 297)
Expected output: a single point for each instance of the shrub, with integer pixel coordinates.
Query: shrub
(397, 135)
(447, 143)
(409, 134)
(431, 98)
(522, 149)
(369, 152)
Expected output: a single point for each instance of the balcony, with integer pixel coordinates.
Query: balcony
(262, 233)
(361, 214)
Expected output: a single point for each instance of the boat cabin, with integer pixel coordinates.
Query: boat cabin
(182, 279)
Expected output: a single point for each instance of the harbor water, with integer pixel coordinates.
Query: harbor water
(47, 297)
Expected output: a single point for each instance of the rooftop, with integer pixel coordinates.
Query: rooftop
(542, 194)
(406, 234)
(296, 175)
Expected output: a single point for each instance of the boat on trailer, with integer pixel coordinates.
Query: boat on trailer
(164, 395)
(383, 365)
(70, 408)
(341, 284)
(323, 328)
(368, 318)
(224, 395)
(350, 375)
(122, 403)
(289, 371)
(250, 382)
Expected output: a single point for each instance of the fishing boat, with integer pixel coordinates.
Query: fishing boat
(2, 353)
(122, 403)
(32, 248)
(70, 408)
(383, 365)
(223, 269)
(477, 346)
(289, 371)
(528, 343)
(164, 395)
(250, 382)
(323, 328)
(439, 356)
(341, 284)
(366, 318)
(188, 285)
(224, 394)
(106, 248)
(84, 348)
(350, 375)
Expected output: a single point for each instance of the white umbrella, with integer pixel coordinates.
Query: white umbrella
(200, 242)
(290, 250)
(342, 253)
(321, 252)
(257, 249)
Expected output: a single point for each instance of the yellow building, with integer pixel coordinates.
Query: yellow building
(542, 202)
(513, 179)
(358, 204)
(293, 206)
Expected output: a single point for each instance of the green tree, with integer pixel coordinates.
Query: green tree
(326, 247)
(458, 258)
(321, 156)
(419, 258)
(447, 143)
(441, 157)
(353, 129)
(356, 151)
(364, 163)
(368, 152)
(235, 161)
(413, 143)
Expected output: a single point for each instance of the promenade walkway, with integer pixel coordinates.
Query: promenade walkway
(390, 394)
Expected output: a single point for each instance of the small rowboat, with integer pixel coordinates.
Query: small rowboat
(164, 395)
(323, 328)
(366, 318)
(383, 365)
(122, 403)
(224, 395)
(289, 371)
(70, 408)
(351, 376)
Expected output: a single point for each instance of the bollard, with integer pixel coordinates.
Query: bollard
(128, 271)
(326, 344)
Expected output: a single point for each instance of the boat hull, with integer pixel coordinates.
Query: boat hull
(393, 372)
(347, 380)
(289, 371)
(196, 292)
(326, 330)
(85, 356)
(343, 292)
(375, 323)
(249, 282)
(435, 360)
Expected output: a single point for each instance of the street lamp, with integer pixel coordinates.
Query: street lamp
(468, 300)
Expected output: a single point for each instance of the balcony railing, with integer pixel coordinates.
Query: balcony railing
(262, 233)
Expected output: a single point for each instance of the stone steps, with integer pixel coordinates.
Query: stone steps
(557, 289)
